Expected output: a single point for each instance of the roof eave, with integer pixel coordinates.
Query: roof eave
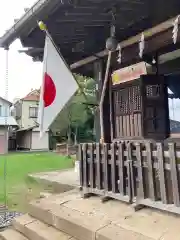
(5, 100)
(28, 21)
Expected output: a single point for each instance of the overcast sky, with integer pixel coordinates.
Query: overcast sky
(24, 74)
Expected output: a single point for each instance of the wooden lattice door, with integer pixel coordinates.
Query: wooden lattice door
(141, 108)
(155, 107)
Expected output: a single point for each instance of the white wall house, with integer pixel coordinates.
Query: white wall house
(6, 120)
(26, 112)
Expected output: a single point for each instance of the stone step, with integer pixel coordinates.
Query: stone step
(80, 218)
(63, 215)
(11, 234)
(34, 229)
(72, 222)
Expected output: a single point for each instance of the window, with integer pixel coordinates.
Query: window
(0, 110)
(33, 112)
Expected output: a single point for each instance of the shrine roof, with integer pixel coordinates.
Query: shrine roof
(80, 28)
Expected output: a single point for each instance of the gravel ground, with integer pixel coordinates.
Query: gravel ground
(7, 217)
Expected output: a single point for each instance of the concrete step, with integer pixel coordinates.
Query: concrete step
(11, 234)
(63, 215)
(74, 223)
(80, 218)
(34, 229)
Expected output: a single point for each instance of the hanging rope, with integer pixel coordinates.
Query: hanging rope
(103, 96)
(111, 46)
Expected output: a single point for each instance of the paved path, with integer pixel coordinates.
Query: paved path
(65, 177)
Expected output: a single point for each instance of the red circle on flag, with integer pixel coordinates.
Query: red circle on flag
(49, 90)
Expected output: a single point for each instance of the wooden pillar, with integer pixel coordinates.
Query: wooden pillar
(99, 69)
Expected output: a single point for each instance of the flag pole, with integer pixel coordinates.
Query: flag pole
(44, 28)
(42, 102)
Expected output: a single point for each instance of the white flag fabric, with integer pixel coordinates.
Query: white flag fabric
(58, 86)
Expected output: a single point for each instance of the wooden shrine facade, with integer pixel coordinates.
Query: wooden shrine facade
(140, 107)
(135, 109)
(135, 164)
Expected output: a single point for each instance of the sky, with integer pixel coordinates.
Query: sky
(24, 74)
(174, 109)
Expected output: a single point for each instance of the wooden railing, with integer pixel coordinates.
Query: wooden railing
(61, 148)
(140, 173)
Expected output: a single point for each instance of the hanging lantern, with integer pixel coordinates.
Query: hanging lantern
(111, 44)
(175, 29)
(141, 46)
(119, 59)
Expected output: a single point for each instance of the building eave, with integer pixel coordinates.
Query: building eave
(5, 100)
(88, 20)
(28, 21)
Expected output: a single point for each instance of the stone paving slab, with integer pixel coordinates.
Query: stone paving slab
(70, 212)
(111, 210)
(74, 223)
(113, 232)
(34, 229)
(146, 220)
(67, 178)
(11, 234)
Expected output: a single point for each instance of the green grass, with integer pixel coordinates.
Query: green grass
(21, 189)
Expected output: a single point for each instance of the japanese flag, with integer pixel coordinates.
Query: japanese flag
(58, 86)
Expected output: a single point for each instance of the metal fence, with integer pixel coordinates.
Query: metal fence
(141, 173)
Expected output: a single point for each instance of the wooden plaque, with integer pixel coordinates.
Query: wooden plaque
(130, 73)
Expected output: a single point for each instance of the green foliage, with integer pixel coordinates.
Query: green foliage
(78, 115)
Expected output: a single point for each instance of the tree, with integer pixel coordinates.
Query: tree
(78, 115)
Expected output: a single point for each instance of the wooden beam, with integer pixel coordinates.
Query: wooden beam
(149, 33)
